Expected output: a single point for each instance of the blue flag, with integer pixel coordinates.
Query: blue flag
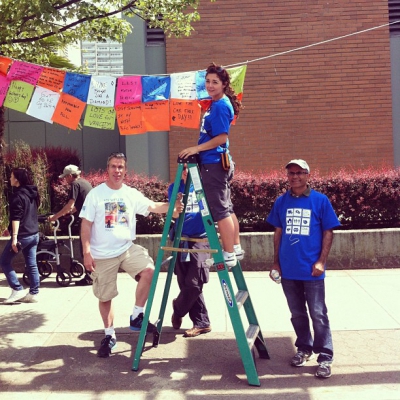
(77, 85)
(155, 88)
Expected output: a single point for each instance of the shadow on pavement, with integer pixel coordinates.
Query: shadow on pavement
(67, 362)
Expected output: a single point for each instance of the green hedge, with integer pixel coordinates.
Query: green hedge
(362, 199)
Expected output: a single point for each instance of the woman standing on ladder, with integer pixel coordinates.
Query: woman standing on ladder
(216, 165)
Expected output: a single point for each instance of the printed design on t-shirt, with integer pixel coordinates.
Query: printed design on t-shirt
(192, 205)
(202, 129)
(298, 221)
(116, 214)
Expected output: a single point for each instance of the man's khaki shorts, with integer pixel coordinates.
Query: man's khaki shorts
(133, 261)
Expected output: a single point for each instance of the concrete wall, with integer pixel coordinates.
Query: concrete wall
(357, 249)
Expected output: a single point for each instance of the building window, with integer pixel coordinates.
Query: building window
(394, 15)
(154, 36)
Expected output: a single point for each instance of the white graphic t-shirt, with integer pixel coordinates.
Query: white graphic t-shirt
(113, 213)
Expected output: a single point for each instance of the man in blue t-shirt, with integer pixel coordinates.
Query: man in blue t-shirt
(304, 221)
(190, 268)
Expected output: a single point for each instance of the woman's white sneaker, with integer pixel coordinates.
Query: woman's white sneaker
(30, 298)
(230, 259)
(237, 248)
(16, 295)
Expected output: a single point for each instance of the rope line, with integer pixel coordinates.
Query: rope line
(310, 45)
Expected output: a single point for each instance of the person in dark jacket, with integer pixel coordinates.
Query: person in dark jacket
(24, 230)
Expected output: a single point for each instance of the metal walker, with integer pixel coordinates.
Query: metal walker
(48, 256)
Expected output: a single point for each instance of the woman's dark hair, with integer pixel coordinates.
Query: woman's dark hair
(22, 176)
(223, 75)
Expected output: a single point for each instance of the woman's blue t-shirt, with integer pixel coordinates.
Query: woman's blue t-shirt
(216, 120)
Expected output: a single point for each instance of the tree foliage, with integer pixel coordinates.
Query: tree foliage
(26, 23)
(32, 31)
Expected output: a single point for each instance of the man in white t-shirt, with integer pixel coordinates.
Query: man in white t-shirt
(108, 229)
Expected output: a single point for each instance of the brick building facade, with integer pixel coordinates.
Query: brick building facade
(330, 104)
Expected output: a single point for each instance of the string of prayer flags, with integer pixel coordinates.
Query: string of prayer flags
(77, 85)
(138, 104)
(18, 96)
(102, 91)
(129, 90)
(155, 88)
(43, 104)
(100, 117)
(68, 111)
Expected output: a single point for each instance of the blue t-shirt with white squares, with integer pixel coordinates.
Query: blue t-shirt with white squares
(303, 220)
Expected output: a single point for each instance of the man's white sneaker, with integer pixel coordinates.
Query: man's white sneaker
(16, 295)
(230, 259)
(30, 298)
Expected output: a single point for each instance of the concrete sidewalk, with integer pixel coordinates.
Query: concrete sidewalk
(48, 349)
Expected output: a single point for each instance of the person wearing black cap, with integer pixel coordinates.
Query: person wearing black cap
(79, 188)
(304, 221)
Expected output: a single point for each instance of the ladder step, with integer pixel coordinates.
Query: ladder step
(241, 297)
(183, 250)
(251, 334)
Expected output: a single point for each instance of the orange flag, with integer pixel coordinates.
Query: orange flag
(68, 111)
(156, 115)
(130, 119)
(4, 64)
(185, 113)
(52, 79)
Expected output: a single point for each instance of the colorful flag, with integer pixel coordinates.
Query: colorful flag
(68, 111)
(25, 72)
(52, 79)
(102, 91)
(43, 104)
(18, 96)
(100, 117)
(155, 88)
(183, 86)
(77, 85)
(129, 90)
(185, 113)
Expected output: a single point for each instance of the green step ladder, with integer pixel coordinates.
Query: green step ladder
(246, 340)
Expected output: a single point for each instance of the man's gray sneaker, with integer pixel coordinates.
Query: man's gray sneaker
(324, 370)
(300, 358)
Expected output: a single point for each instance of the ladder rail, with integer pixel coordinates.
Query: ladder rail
(246, 340)
(153, 285)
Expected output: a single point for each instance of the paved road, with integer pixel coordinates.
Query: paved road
(48, 349)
